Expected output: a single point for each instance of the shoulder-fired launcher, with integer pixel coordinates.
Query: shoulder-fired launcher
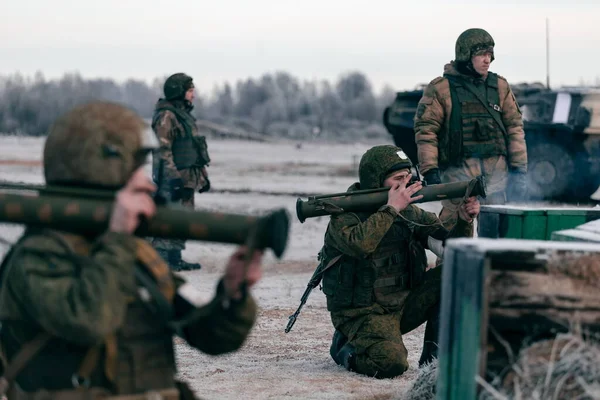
(87, 212)
(370, 200)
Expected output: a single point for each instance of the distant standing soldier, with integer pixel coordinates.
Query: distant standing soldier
(184, 157)
(468, 123)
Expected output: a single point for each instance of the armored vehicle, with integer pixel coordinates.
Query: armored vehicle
(562, 131)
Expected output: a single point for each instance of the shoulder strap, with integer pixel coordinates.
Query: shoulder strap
(21, 359)
(184, 118)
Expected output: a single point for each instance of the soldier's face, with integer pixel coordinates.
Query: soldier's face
(481, 63)
(189, 95)
(395, 177)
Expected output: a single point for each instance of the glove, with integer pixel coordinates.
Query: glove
(206, 187)
(176, 189)
(516, 190)
(432, 177)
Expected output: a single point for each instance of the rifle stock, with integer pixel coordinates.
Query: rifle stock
(88, 213)
(370, 200)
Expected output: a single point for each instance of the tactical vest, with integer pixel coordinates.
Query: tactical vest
(473, 130)
(184, 148)
(139, 356)
(381, 278)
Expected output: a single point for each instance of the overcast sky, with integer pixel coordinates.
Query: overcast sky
(400, 43)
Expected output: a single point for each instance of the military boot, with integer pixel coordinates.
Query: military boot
(347, 356)
(430, 340)
(176, 263)
(341, 351)
(337, 342)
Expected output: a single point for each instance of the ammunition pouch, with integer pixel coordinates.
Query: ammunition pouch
(348, 284)
(202, 151)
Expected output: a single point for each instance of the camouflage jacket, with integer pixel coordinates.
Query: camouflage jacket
(82, 300)
(433, 119)
(360, 239)
(167, 128)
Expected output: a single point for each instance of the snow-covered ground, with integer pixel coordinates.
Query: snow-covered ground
(251, 177)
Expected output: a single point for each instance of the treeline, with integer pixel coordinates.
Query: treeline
(275, 104)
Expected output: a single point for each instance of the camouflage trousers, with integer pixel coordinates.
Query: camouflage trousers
(376, 333)
(187, 200)
(495, 171)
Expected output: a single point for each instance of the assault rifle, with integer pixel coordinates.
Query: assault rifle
(87, 212)
(371, 199)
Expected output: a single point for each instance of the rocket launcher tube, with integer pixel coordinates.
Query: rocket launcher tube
(371, 199)
(86, 215)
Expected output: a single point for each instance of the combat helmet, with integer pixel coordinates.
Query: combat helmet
(378, 162)
(98, 144)
(471, 42)
(176, 85)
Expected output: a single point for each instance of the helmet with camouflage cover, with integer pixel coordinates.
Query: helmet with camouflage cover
(176, 85)
(378, 162)
(472, 42)
(98, 144)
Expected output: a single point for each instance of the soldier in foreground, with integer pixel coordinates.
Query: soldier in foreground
(184, 157)
(468, 123)
(94, 317)
(376, 282)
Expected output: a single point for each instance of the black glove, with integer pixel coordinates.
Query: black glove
(516, 191)
(206, 187)
(176, 189)
(432, 177)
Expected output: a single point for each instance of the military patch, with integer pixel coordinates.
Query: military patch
(421, 110)
(402, 155)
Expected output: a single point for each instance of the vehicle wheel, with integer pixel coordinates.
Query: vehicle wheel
(551, 170)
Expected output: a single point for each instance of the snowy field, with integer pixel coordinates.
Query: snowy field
(250, 177)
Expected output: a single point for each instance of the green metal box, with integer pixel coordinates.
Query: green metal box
(528, 222)
(589, 232)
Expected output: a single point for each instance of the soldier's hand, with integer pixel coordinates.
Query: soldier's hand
(469, 209)
(400, 196)
(236, 272)
(133, 202)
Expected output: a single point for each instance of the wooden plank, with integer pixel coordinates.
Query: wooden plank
(497, 294)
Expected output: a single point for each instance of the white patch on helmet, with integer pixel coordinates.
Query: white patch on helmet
(402, 155)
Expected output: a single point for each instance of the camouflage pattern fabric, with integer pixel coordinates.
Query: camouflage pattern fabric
(471, 42)
(187, 200)
(432, 122)
(81, 299)
(378, 162)
(496, 174)
(377, 333)
(167, 127)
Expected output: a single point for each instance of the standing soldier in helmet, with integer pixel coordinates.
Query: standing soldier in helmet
(94, 316)
(468, 123)
(183, 157)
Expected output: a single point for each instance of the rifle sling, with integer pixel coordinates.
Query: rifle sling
(469, 86)
(329, 265)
